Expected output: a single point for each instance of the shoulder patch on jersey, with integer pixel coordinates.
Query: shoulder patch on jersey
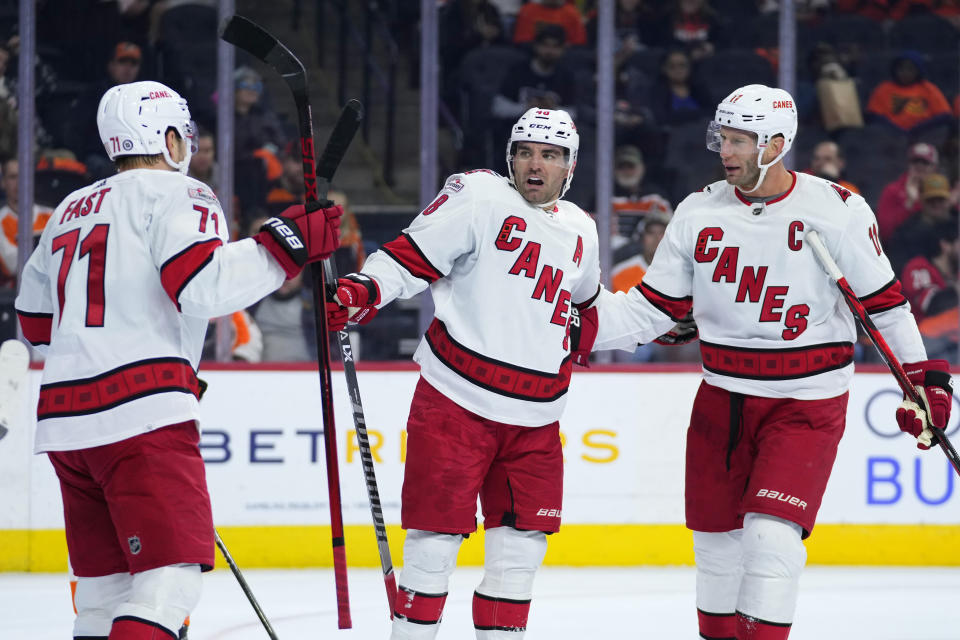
(202, 193)
(841, 192)
(454, 185)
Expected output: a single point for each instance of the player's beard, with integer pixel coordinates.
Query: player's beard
(748, 176)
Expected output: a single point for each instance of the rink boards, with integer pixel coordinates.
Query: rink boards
(887, 503)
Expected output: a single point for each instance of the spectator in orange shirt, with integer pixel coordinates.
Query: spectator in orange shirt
(9, 213)
(828, 162)
(692, 25)
(901, 199)
(908, 101)
(532, 16)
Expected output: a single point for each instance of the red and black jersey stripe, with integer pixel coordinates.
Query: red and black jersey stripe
(885, 298)
(497, 376)
(775, 364)
(676, 308)
(112, 388)
(409, 256)
(37, 327)
(177, 272)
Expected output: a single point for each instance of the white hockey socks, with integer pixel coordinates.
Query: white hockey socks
(719, 570)
(159, 601)
(95, 600)
(502, 601)
(428, 562)
(773, 558)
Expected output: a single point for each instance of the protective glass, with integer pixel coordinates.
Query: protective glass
(190, 133)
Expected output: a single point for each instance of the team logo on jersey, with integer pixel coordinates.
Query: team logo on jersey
(843, 193)
(134, 543)
(578, 252)
(199, 193)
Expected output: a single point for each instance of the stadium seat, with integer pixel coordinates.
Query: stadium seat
(925, 32)
(480, 75)
(726, 70)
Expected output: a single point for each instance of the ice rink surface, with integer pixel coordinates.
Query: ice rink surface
(655, 603)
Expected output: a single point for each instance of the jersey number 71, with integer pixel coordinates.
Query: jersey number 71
(94, 246)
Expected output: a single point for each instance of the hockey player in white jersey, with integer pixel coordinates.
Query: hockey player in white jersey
(777, 347)
(118, 294)
(508, 263)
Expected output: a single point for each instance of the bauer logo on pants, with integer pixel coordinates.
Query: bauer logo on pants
(134, 542)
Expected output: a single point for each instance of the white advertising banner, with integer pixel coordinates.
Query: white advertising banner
(624, 452)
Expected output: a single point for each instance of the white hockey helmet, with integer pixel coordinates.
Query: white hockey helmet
(765, 111)
(133, 120)
(548, 126)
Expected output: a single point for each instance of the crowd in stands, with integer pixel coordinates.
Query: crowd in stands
(877, 91)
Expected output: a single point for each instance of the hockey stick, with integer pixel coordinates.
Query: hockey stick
(14, 361)
(860, 313)
(243, 585)
(253, 39)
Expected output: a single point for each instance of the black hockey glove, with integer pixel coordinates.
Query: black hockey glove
(683, 332)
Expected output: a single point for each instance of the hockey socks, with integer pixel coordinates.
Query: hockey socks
(717, 626)
(129, 628)
(749, 628)
(499, 617)
(419, 608)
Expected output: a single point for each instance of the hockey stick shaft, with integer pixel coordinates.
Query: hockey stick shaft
(255, 40)
(344, 130)
(886, 353)
(243, 585)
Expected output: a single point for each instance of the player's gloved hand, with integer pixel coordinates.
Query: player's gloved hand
(582, 330)
(354, 300)
(932, 381)
(301, 234)
(683, 332)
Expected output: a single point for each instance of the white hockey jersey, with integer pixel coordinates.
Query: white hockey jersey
(503, 274)
(771, 322)
(121, 286)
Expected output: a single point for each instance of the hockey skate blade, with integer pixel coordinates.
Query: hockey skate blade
(14, 360)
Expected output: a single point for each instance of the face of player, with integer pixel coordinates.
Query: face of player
(738, 154)
(539, 170)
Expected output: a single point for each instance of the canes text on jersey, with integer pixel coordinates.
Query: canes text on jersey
(527, 264)
(751, 280)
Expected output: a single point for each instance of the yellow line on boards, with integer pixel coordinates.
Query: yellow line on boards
(576, 545)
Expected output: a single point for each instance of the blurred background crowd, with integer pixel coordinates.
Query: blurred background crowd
(876, 87)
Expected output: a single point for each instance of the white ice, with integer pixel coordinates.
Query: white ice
(655, 603)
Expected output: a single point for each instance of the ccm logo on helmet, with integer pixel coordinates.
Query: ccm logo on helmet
(160, 94)
(540, 126)
(289, 235)
(783, 104)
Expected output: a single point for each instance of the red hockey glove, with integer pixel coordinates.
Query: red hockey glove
(301, 234)
(932, 381)
(683, 332)
(583, 327)
(357, 292)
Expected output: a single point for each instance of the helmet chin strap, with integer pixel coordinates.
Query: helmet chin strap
(763, 169)
(184, 165)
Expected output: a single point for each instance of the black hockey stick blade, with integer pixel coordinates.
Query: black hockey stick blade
(336, 147)
(255, 40)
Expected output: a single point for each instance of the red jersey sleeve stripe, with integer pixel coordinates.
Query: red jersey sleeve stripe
(36, 326)
(177, 272)
(885, 298)
(676, 308)
(406, 252)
